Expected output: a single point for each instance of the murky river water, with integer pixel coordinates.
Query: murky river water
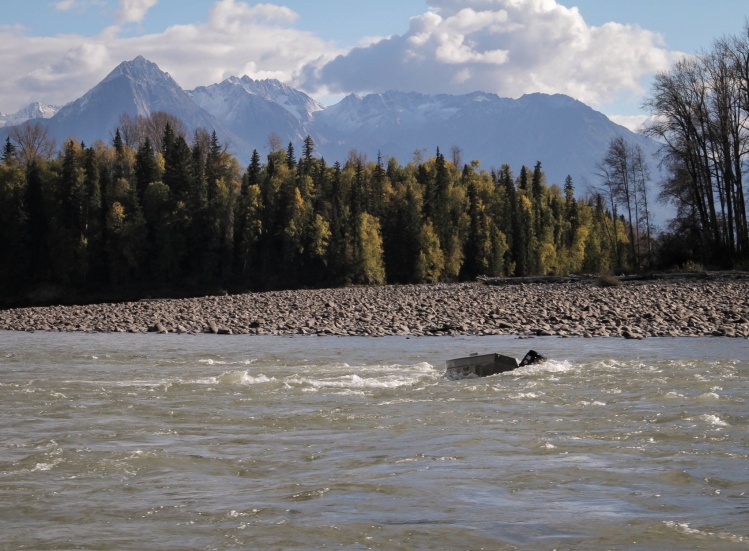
(226, 442)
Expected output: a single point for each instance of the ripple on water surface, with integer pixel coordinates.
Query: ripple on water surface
(198, 441)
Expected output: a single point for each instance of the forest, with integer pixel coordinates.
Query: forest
(159, 213)
(153, 215)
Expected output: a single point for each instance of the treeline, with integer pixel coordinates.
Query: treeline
(173, 218)
(701, 109)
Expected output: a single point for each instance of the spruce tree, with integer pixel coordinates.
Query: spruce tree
(378, 187)
(9, 152)
(337, 255)
(290, 159)
(252, 177)
(177, 168)
(117, 141)
(213, 165)
(146, 169)
(38, 221)
(571, 209)
(307, 159)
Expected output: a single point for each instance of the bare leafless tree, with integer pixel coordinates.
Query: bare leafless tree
(275, 143)
(702, 119)
(32, 142)
(624, 178)
(202, 140)
(135, 130)
(457, 156)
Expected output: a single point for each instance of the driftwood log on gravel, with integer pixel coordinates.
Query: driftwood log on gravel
(665, 307)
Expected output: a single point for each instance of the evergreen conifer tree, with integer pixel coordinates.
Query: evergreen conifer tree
(9, 152)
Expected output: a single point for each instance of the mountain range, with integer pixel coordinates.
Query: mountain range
(34, 110)
(565, 135)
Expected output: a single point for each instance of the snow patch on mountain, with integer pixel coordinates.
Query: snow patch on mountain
(565, 135)
(222, 100)
(140, 70)
(134, 88)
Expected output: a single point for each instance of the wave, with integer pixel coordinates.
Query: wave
(714, 420)
(685, 529)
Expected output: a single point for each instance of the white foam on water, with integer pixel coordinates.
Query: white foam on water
(45, 466)
(51, 459)
(211, 361)
(714, 420)
(134, 383)
(243, 378)
(349, 392)
(524, 395)
(138, 454)
(354, 381)
(422, 367)
(684, 528)
(404, 401)
(545, 367)
(586, 403)
(365, 377)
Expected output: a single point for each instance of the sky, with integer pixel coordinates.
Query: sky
(601, 52)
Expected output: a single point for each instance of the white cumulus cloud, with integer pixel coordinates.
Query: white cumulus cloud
(133, 11)
(64, 5)
(235, 38)
(509, 47)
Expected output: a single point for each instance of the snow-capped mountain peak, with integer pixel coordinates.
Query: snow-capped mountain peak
(34, 110)
(223, 99)
(141, 70)
(565, 135)
(133, 88)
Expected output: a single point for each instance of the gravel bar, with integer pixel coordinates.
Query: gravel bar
(579, 309)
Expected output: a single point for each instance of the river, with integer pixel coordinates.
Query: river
(185, 442)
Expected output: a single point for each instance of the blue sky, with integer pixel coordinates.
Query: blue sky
(602, 52)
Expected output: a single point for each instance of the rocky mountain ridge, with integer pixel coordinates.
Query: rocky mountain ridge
(565, 135)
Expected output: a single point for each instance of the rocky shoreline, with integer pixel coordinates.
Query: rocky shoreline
(668, 308)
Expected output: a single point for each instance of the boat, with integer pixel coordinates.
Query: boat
(484, 365)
